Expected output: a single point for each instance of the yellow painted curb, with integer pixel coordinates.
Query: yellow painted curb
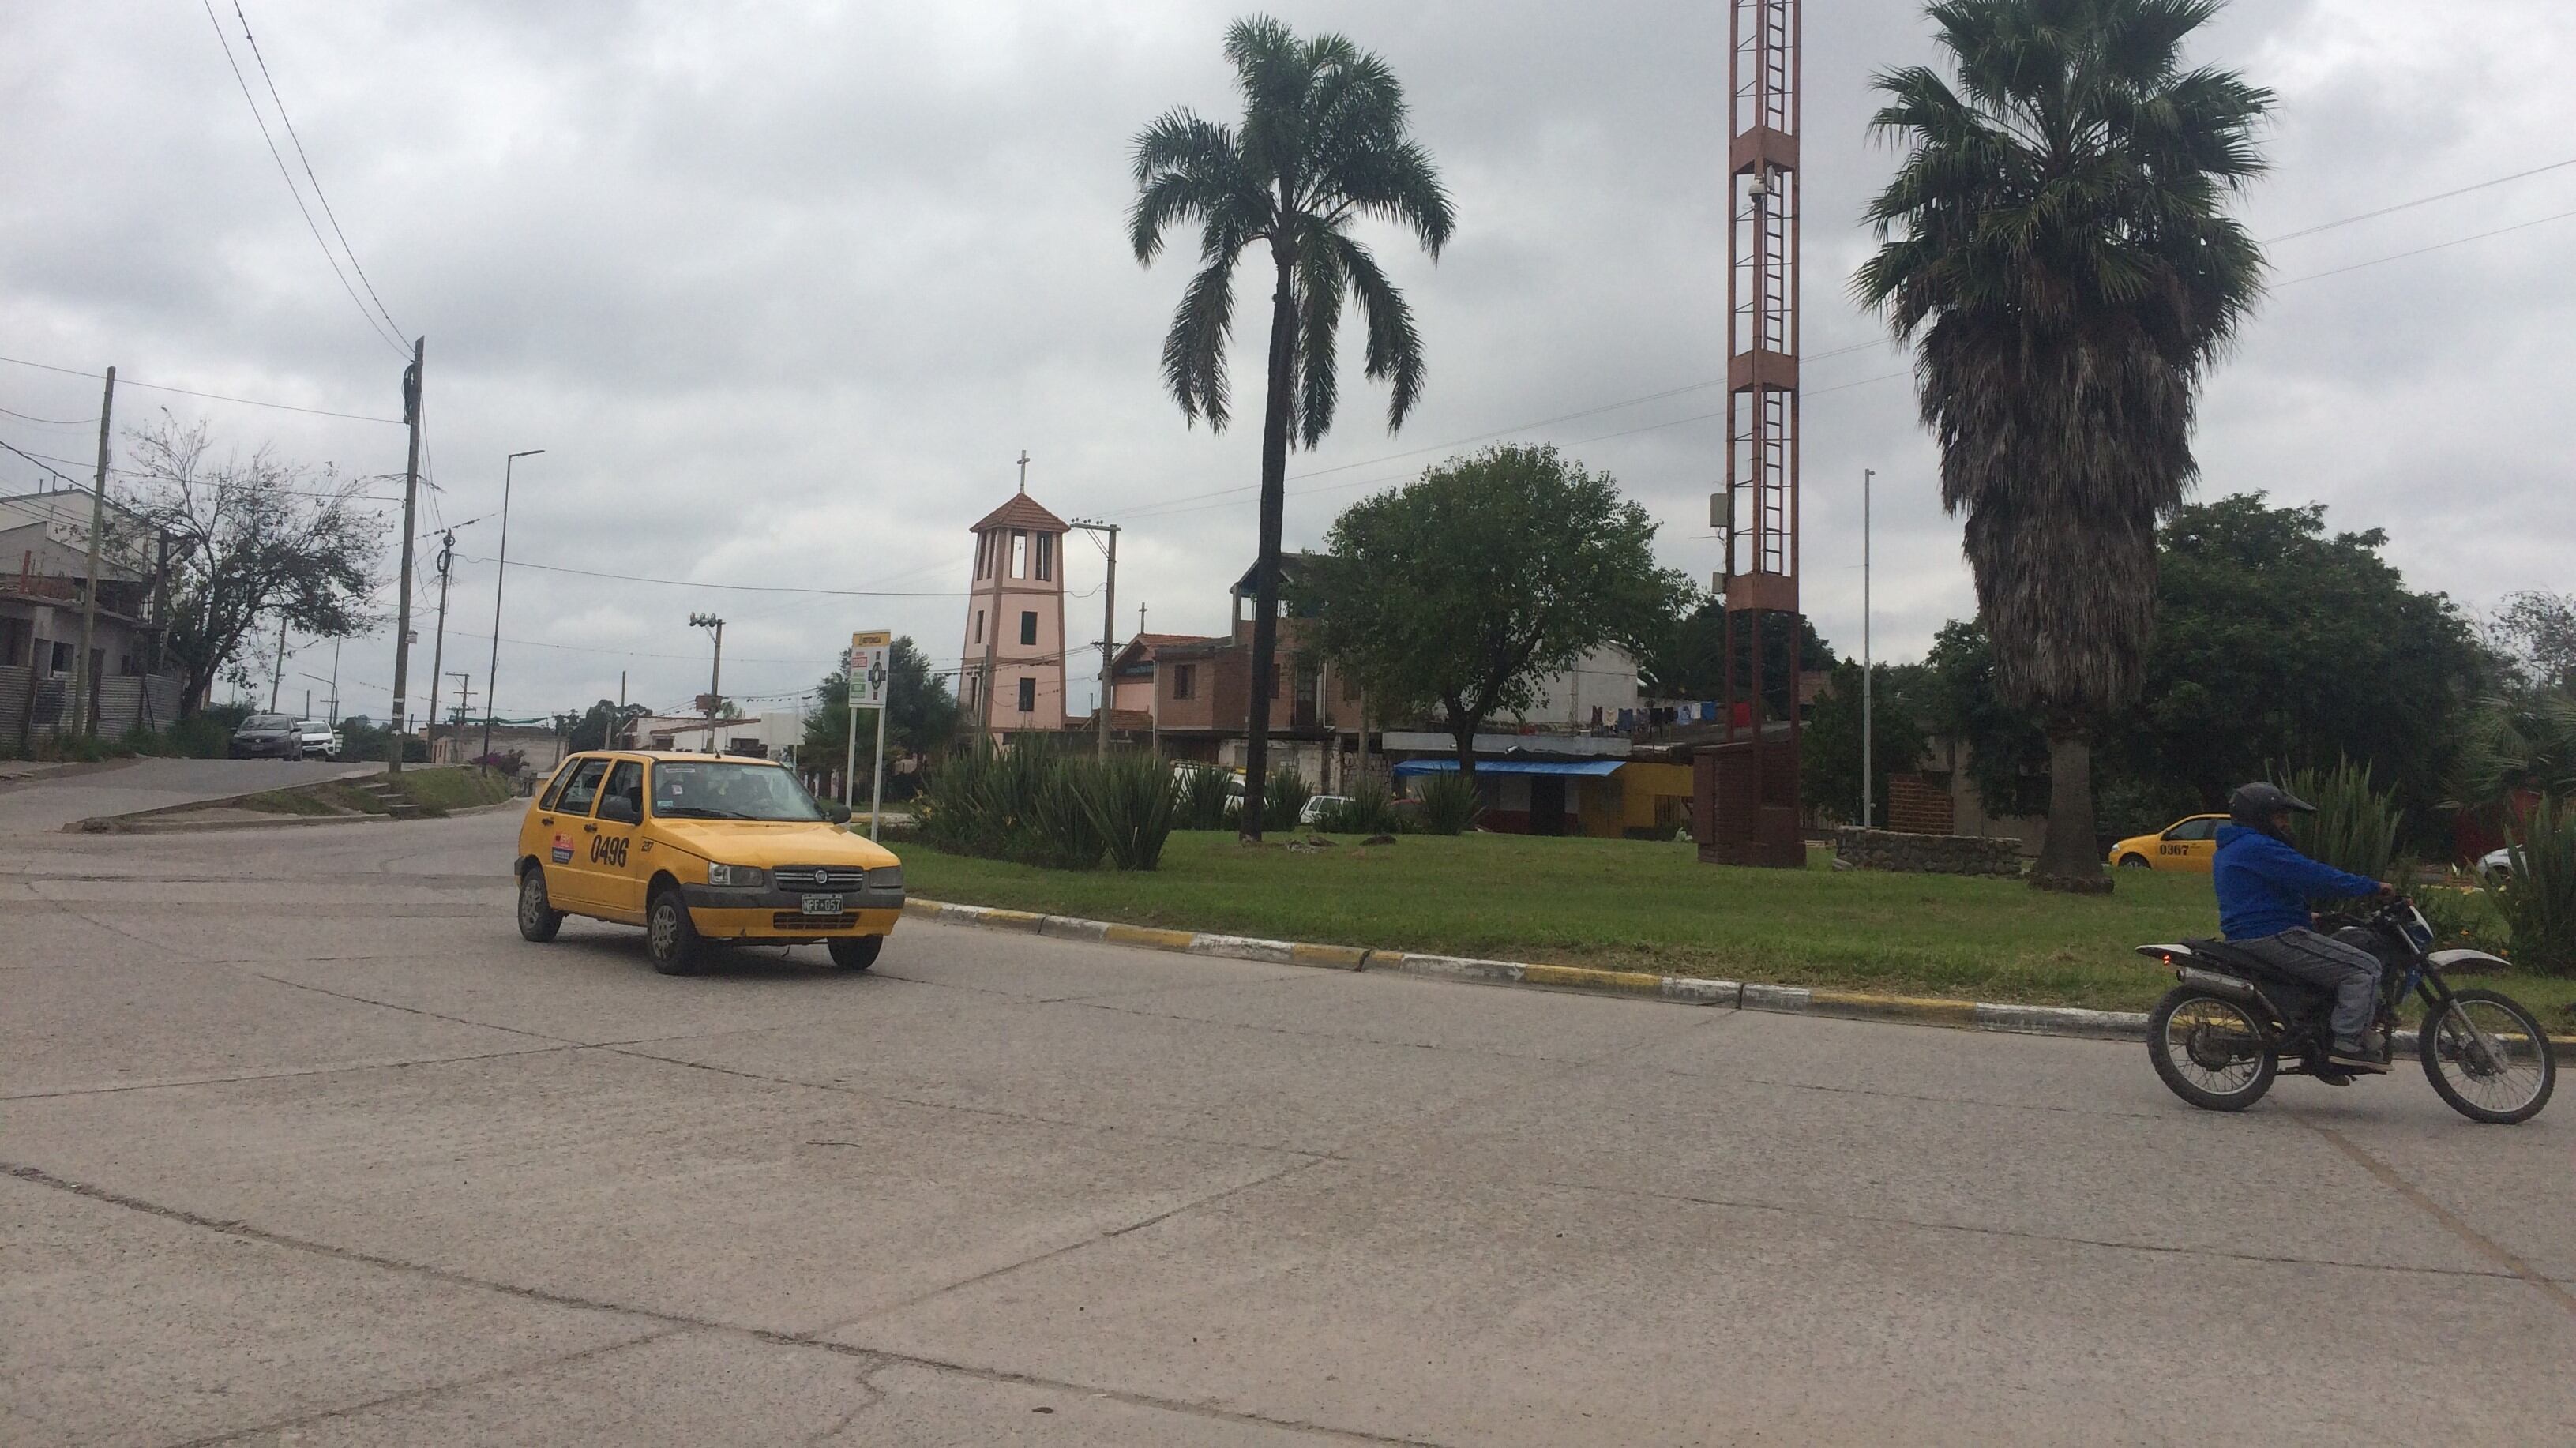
(1010, 920)
(1147, 936)
(1586, 978)
(922, 909)
(1889, 1007)
(1337, 957)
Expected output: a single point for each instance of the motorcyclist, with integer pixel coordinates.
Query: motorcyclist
(2264, 885)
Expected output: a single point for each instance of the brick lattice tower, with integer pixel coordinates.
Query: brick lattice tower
(1748, 785)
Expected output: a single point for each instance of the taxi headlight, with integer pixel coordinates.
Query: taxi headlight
(886, 877)
(743, 876)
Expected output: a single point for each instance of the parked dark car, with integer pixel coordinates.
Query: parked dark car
(268, 736)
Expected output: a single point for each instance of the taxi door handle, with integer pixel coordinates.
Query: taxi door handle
(590, 829)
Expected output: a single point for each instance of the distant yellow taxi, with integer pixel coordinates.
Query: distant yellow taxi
(2188, 843)
(697, 848)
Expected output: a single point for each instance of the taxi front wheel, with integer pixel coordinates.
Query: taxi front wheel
(855, 952)
(538, 918)
(669, 936)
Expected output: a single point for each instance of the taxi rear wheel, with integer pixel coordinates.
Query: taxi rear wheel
(2136, 862)
(538, 918)
(855, 952)
(669, 937)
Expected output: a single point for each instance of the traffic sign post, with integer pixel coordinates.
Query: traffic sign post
(867, 678)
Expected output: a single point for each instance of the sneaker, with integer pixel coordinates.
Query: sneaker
(2355, 1056)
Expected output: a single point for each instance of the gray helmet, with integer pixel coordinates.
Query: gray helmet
(2255, 804)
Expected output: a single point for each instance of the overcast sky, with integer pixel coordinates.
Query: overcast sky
(783, 290)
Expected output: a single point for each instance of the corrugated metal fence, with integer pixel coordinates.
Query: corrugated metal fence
(34, 709)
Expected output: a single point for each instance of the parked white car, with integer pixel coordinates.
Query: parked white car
(2496, 864)
(1316, 807)
(320, 739)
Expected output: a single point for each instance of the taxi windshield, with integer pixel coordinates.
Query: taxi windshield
(716, 790)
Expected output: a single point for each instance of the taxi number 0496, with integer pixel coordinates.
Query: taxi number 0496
(608, 849)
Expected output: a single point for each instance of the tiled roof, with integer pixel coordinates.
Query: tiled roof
(1022, 511)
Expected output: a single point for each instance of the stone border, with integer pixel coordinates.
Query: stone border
(2024, 1020)
(159, 821)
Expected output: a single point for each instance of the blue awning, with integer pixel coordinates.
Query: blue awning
(1593, 767)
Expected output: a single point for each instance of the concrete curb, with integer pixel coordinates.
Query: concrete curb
(1634, 985)
(2024, 1020)
(155, 821)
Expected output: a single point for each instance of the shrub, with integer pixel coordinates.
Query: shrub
(2355, 828)
(1284, 799)
(1206, 797)
(1061, 832)
(502, 761)
(1449, 804)
(1369, 810)
(2538, 900)
(1132, 803)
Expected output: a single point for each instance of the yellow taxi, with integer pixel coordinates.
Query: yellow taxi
(701, 847)
(2189, 843)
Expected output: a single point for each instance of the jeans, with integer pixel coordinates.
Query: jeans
(2311, 959)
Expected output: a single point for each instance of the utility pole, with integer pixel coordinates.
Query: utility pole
(500, 575)
(278, 677)
(335, 686)
(1866, 474)
(1153, 698)
(438, 650)
(464, 703)
(617, 727)
(1108, 624)
(715, 675)
(84, 680)
(412, 378)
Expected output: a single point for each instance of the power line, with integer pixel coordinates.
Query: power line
(2418, 201)
(41, 458)
(39, 462)
(734, 587)
(51, 421)
(390, 339)
(123, 381)
(2419, 251)
(307, 162)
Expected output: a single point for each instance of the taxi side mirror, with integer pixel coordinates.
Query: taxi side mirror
(618, 809)
(835, 811)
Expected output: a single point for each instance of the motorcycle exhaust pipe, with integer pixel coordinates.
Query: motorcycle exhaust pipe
(2210, 980)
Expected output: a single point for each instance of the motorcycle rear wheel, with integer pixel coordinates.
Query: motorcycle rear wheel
(2488, 1057)
(2209, 1050)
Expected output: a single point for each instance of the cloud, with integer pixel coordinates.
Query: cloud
(783, 291)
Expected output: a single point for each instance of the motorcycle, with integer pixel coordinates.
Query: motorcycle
(2220, 1037)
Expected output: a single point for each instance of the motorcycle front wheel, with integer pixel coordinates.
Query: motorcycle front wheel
(2209, 1050)
(2488, 1057)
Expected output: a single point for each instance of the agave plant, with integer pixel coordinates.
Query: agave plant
(1449, 804)
(1133, 802)
(2355, 828)
(1284, 800)
(2537, 897)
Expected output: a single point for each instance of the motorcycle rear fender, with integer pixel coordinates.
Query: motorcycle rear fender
(2166, 953)
(2453, 959)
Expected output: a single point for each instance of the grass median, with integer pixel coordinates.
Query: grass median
(1634, 905)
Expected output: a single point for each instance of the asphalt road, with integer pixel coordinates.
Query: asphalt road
(302, 1144)
(51, 802)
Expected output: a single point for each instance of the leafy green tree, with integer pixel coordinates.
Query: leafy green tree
(2534, 634)
(2007, 750)
(1685, 660)
(921, 714)
(2055, 245)
(2280, 645)
(1466, 587)
(597, 727)
(255, 541)
(1829, 751)
(1324, 141)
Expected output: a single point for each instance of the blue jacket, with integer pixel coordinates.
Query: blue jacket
(2264, 885)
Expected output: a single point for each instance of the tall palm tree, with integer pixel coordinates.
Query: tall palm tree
(1324, 142)
(2055, 246)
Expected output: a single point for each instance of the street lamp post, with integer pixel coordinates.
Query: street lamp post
(715, 673)
(1866, 780)
(500, 574)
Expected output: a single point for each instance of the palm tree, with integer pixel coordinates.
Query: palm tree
(1323, 143)
(2055, 247)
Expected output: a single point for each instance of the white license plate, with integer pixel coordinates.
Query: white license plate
(821, 905)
